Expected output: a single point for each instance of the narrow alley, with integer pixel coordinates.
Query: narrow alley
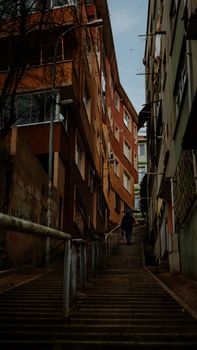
(123, 307)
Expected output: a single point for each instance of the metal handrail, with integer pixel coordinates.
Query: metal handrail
(111, 240)
(11, 223)
(8, 222)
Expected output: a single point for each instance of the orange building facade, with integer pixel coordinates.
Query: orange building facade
(94, 163)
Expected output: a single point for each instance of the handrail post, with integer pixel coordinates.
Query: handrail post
(74, 272)
(66, 278)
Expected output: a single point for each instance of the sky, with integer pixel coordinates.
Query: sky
(128, 21)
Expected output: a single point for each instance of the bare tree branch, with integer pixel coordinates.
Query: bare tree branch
(23, 28)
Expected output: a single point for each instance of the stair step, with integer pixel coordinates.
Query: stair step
(99, 345)
(80, 328)
(100, 336)
(123, 307)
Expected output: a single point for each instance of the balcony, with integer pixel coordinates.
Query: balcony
(37, 138)
(190, 19)
(52, 16)
(38, 78)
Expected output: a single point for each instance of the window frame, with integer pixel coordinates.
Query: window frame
(116, 167)
(116, 132)
(87, 101)
(80, 155)
(140, 147)
(127, 123)
(181, 85)
(126, 181)
(127, 150)
(141, 173)
(117, 101)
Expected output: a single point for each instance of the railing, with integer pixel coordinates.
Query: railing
(74, 249)
(11, 223)
(112, 239)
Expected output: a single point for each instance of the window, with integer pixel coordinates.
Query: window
(65, 115)
(12, 8)
(110, 117)
(59, 3)
(87, 101)
(127, 150)
(135, 133)
(141, 173)
(180, 88)
(80, 156)
(103, 87)
(116, 167)
(127, 182)
(135, 161)
(33, 108)
(142, 131)
(116, 132)
(141, 149)
(127, 120)
(116, 101)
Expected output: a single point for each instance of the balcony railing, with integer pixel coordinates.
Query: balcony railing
(37, 78)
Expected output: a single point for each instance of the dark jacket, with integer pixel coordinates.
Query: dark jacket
(127, 222)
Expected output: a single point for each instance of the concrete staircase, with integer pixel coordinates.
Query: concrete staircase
(124, 307)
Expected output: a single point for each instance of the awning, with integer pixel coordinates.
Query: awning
(144, 114)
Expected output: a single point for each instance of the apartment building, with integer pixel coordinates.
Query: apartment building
(142, 170)
(171, 85)
(119, 130)
(69, 169)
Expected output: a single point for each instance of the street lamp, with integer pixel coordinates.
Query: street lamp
(94, 23)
